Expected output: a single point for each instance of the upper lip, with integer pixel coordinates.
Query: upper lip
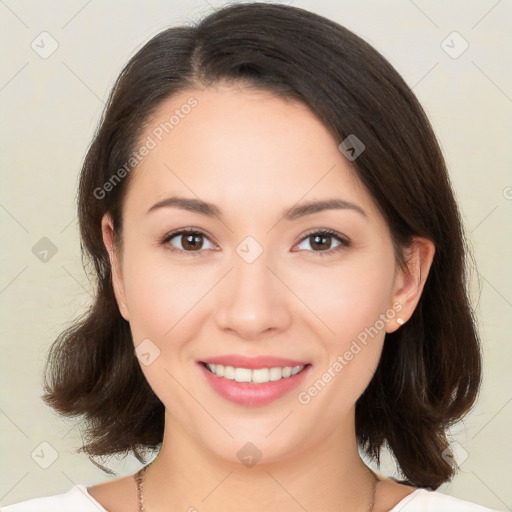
(239, 361)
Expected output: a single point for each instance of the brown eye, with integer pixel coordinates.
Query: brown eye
(321, 242)
(187, 241)
(191, 242)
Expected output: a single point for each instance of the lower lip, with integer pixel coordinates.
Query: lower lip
(253, 395)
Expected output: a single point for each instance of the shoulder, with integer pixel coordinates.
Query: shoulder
(76, 499)
(423, 500)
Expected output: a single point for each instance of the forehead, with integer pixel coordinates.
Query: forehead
(235, 146)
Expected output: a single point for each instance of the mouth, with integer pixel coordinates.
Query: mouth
(254, 375)
(253, 387)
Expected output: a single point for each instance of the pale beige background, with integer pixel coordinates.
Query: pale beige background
(50, 108)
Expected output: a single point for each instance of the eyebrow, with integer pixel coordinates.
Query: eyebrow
(295, 212)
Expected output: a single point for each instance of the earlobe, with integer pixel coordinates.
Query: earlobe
(410, 284)
(107, 229)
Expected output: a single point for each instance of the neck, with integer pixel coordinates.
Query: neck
(329, 476)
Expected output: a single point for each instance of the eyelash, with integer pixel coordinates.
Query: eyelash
(344, 242)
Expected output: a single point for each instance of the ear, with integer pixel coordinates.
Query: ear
(107, 229)
(409, 284)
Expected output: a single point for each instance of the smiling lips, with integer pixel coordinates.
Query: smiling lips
(256, 376)
(253, 381)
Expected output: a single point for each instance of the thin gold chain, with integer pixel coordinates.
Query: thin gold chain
(139, 481)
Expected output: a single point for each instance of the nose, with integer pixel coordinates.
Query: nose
(255, 302)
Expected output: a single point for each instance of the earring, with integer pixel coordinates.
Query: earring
(400, 321)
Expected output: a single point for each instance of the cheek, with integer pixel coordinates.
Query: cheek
(164, 301)
(160, 295)
(350, 297)
(350, 301)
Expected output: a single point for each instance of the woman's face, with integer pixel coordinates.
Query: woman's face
(258, 278)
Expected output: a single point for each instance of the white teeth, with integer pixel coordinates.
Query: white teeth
(275, 373)
(258, 376)
(229, 372)
(243, 375)
(287, 371)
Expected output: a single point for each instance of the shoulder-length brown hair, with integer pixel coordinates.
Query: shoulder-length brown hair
(430, 369)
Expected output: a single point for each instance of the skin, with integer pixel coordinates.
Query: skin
(254, 155)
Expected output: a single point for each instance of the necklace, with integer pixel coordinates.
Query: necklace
(139, 481)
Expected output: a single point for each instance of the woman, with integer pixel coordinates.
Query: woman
(280, 279)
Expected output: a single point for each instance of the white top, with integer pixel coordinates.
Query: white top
(77, 499)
